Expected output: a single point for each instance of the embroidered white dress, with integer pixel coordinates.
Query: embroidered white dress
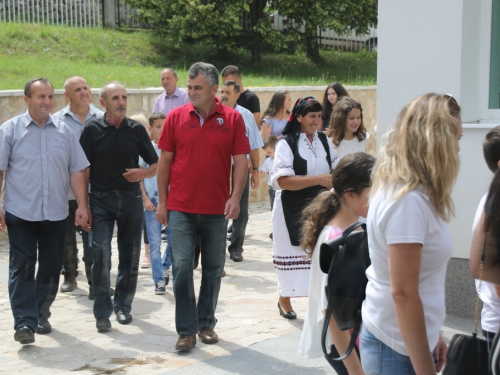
(291, 263)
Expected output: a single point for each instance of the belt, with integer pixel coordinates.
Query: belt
(112, 190)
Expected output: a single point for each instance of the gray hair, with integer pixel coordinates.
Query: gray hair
(232, 83)
(104, 90)
(207, 70)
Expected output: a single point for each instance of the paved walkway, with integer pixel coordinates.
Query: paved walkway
(254, 339)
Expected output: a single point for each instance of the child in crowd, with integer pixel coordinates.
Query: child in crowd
(145, 263)
(325, 218)
(269, 144)
(159, 266)
(347, 131)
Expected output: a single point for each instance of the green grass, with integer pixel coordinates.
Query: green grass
(136, 58)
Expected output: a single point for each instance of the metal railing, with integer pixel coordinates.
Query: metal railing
(73, 13)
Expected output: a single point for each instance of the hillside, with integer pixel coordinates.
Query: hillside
(136, 57)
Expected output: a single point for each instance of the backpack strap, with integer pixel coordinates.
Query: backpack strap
(330, 357)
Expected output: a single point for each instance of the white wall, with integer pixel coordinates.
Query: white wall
(435, 46)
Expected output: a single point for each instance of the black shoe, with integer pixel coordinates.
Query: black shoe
(236, 257)
(123, 317)
(24, 335)
(289, 315)
(44, 327)
(230, 229)
(166, 275)
(270, 235)
(103, 324)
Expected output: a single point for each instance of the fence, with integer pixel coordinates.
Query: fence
(73, 13)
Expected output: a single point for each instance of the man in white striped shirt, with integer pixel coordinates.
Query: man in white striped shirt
(229, 93)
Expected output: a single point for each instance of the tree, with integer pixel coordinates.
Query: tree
(193, 20)
(341, 16)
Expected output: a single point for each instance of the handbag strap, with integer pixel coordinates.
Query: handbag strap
(329, 311)
(476, 308)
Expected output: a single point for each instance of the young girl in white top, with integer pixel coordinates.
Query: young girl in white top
(326, 217)
(409, 240)
(347, 131)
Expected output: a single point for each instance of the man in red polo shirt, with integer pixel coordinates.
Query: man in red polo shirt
(197, 142)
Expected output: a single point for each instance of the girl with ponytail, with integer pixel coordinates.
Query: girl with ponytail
(325, 218)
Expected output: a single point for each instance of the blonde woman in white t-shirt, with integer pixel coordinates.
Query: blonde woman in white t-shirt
(409, 240)
(346, 130)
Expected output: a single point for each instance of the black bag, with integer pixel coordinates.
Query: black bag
(467, 355)
(345, 259)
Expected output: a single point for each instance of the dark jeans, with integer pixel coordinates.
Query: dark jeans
(70, 258)
(240, 224)
(184, 227)
(272, 194)
(126, 209)
(30, 297)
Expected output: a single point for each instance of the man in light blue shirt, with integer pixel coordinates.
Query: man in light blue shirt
(76, 114)
(173, 96)
(41, 158)
(229, 94)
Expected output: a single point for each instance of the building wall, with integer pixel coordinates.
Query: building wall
(142, 101)
(435, 46)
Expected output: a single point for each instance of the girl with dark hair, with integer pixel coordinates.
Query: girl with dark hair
(276, 115)
(347, 130)
(333, 93)
(325, 218)
(303, 160)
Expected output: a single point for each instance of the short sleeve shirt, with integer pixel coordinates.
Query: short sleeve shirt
(249, 101)
(200, 170)
(112, 150)
(409, 219)
(38, 162)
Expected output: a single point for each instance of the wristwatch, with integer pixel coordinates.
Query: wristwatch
(255, 169)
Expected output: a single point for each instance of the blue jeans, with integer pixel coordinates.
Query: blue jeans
(189, 315)
(30, 297)
(153, 227)
(240, 224)
(379, 359)
(126, 209)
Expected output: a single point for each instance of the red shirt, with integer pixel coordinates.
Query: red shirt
(200, 170)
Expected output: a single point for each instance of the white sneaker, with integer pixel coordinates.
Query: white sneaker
(160, 287)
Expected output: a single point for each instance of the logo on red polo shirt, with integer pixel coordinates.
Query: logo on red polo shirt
(220, 121)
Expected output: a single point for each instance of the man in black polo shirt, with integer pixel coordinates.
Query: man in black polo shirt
(113, 145)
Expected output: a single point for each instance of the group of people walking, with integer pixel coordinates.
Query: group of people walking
(204, 154)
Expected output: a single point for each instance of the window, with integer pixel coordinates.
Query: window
(494, 79)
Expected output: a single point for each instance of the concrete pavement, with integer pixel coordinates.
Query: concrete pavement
(254, 339)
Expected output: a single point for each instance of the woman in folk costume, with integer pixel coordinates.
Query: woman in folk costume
(303, 161)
